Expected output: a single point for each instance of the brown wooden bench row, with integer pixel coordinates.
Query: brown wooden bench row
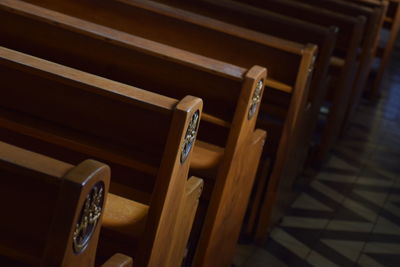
(206, 49)
(353, 50)
(287, 90)
(222, 85)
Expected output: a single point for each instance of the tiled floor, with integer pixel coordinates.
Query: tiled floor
(350, 214)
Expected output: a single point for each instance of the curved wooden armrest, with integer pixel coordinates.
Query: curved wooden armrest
(119, 260)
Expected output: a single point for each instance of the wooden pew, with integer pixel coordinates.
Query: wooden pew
(73, 115)
(287, 87)
(343, 65)
(287, 28)
(230, 147)
(174, 27)
(46, 204)
(374, 16)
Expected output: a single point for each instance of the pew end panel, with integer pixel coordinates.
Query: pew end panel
(222, 226)
(64, 205)
(186, 216)
(169, 192)
(91, 200)
(291, 155)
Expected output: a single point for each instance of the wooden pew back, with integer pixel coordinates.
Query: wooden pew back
(277, 25)
(71, 115)
(47, 34)
(187, 31)
(45, 203)
(351, 9)
(320, 17)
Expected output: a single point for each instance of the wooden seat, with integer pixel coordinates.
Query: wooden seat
(125, 216)
(206, 158)
(70, 114)
(172, 72)
(46, 204)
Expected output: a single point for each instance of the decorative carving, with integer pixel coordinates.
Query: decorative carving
(256, 99)
(90, 214)
(190, 136)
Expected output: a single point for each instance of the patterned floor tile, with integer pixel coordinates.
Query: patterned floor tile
(317, 260)
(350, 226)
(289, 242)
(367, 261)
(349, 249)
(262, 258)
(385, 226)
(386, 260)
(305, 201)
(243, 253)
(304, 222)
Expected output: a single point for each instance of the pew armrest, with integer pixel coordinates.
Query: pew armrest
(119, 260)
(125, 216)
(206, 159)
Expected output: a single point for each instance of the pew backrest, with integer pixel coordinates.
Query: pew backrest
(347, 25)
(176, 70)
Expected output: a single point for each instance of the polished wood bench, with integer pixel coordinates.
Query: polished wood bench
(286, 80)
(294, 30)
(374, 16)
(52, 210)
(229, 147)
(286, 95)
(144, 137)
(286, 98)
